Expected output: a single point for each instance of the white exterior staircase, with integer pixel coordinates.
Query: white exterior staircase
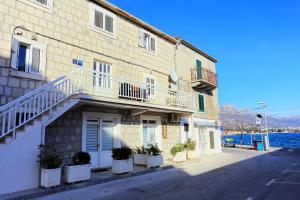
(23, 121)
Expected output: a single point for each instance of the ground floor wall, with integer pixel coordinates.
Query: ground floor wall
(65, 133)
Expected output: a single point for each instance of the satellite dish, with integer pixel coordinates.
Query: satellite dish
(173, 76)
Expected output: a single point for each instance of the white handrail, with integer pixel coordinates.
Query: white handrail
(33, 104)
(29, 94)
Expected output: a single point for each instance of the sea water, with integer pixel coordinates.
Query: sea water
(285, 140)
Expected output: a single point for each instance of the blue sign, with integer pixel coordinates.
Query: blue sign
(78, 62)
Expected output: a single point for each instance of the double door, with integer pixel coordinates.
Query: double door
(99, 140)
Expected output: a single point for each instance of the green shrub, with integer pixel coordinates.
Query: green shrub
(153, 150)
(81, 158)
(48, 158)
(190, 145)
(121, 153)
(177, 148)
(141, 150)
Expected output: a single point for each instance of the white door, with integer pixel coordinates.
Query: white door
(102, 77)
(92, 141)
(99, 139)
(202, 141)
(149, 132)
(107, 140)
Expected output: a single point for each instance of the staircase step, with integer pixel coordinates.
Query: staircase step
(6, 139)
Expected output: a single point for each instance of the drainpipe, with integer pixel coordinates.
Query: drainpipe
(178, 42)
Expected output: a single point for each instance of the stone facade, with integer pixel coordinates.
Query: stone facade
(66, 32)
(67, 35)
(65, 133)
(185, 61)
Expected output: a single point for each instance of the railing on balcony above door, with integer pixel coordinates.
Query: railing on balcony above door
(103, 84)
(24, 109)
(203, 74)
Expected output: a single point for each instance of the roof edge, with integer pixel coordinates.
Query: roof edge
(189, 45)
(134, 19)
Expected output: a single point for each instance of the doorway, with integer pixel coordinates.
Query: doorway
(100, 136)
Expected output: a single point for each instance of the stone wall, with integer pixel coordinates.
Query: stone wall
(173, 138)
(69, 36)
(12, 87)
(65, 133)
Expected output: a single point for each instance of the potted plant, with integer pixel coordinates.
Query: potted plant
(81, 168)
(191, 146)
(50, 167)
(140, 156)
(179, 153)
(122, 162)
(154, 157)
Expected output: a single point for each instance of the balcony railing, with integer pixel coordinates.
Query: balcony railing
(102, 84)
(91, 83)
(204, 78)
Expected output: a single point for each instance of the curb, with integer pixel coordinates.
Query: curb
(64, 188)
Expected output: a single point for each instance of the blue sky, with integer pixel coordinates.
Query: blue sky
(257, 43)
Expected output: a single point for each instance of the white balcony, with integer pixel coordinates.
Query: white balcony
(118, 89)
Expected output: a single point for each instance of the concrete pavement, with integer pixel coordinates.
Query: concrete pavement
(235, 174)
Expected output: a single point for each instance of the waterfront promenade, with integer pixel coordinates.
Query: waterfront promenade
(234, 175)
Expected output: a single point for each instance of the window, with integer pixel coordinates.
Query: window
(46, 4)
(102, 75)
(150, 87)
(147, 41)
(28, 56)
(103, 20)
(201, 103)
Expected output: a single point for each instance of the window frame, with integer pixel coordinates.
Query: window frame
(38, 5)
(93, 9)
(97, 75)
(201, 111)
(151, 86)
(147, 42)
(30, 44)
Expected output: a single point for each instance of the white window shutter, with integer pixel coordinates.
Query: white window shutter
(35, 60)
(43, 60)
(141, 39)
(14, 53)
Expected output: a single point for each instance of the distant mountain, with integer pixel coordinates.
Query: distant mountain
(232, 117)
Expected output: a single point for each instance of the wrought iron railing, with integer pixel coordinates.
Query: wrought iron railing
(204, 75)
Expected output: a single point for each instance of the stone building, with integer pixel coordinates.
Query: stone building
(85, 75)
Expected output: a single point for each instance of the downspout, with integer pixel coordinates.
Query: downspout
(178, 42)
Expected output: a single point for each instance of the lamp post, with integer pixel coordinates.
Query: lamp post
(264, 106)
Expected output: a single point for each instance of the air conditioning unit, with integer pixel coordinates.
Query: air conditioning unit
(174, 117)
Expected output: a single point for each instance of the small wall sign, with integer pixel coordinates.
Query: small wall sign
(78, 62)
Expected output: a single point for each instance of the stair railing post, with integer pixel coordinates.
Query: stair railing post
(81, 81)
(15, 121)
(51, 101)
